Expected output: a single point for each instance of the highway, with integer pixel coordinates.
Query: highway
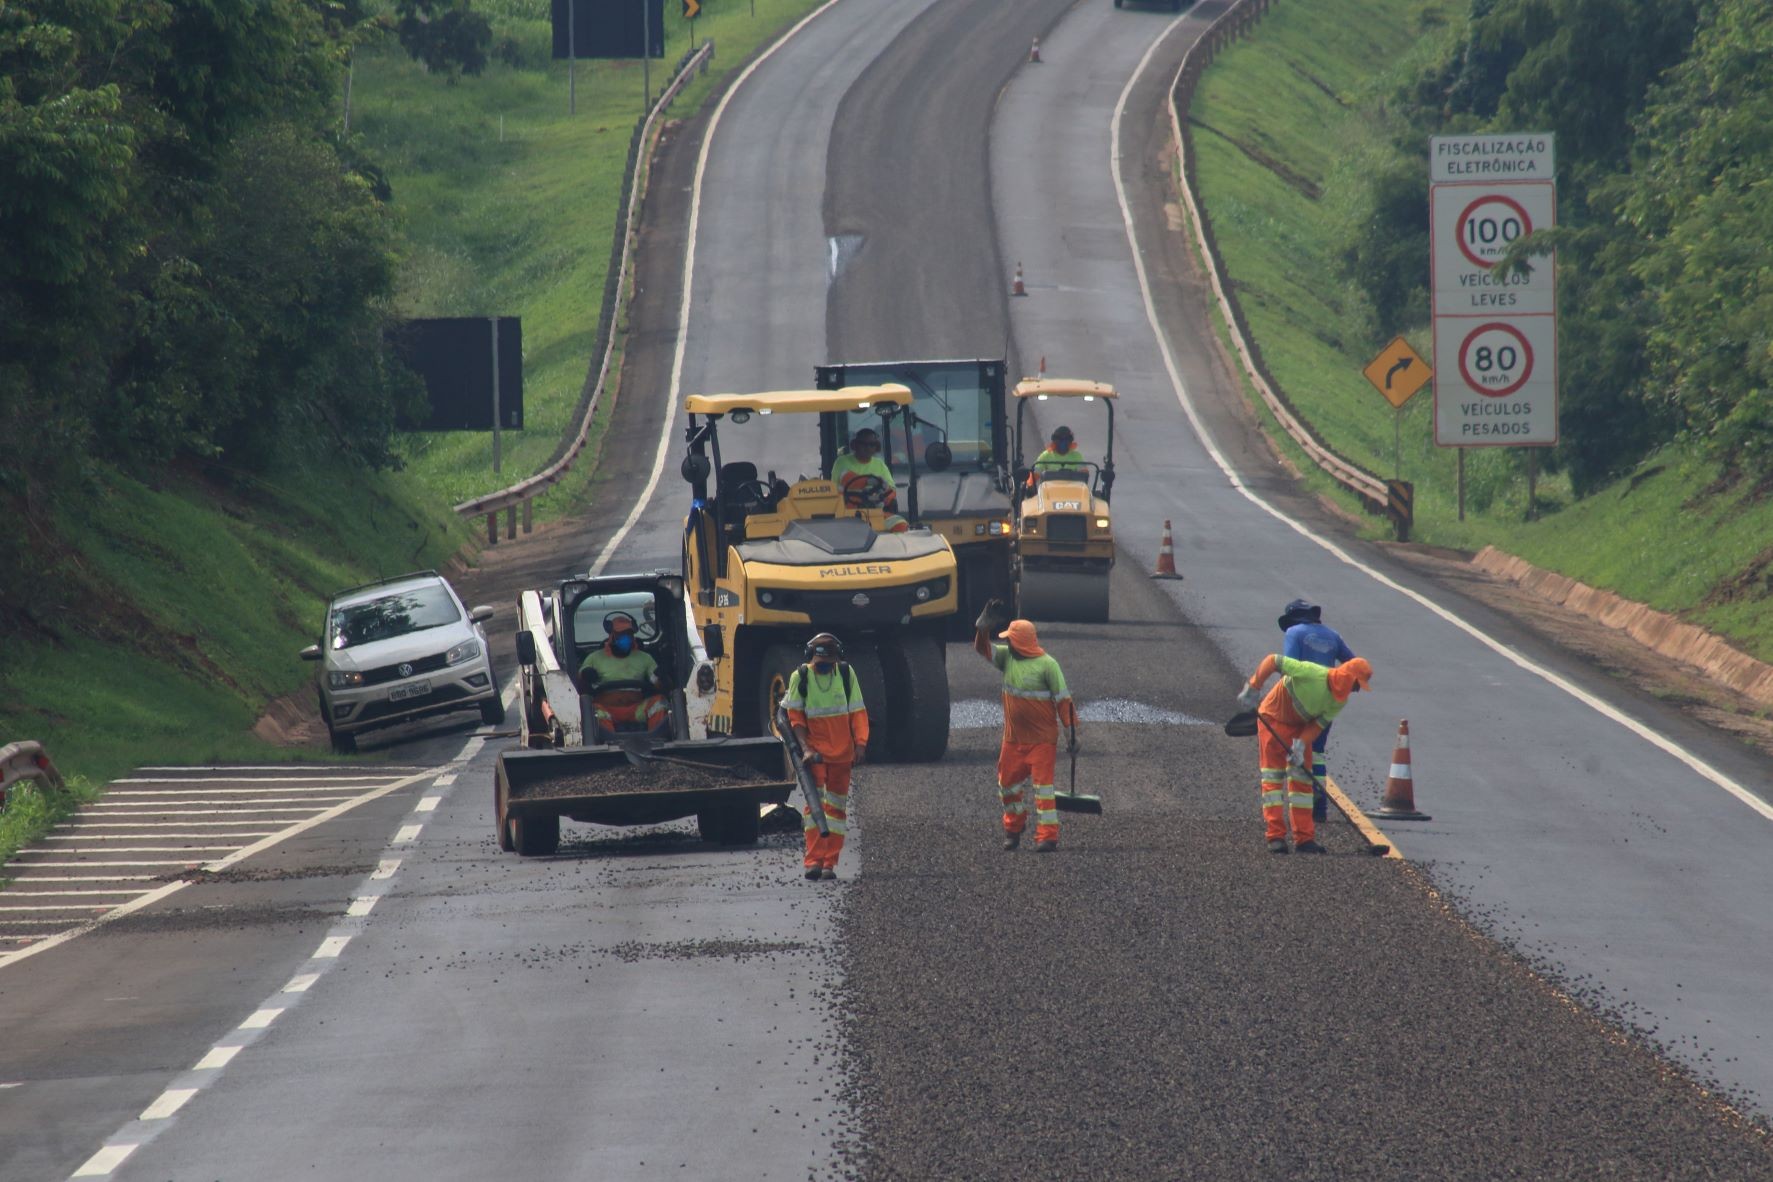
(1160, 998)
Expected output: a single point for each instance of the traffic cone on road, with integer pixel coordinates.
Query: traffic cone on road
(1016, 287)
(1034, 51)
(1400, 789)
(1166, 557)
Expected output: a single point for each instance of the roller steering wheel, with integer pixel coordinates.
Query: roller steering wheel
(867, 492)
(750, 495)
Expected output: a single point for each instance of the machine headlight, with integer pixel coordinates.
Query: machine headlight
(338, 680)
(998, 527)
(922, 594)
(766, 597)
(1101, 523)
(465, 651)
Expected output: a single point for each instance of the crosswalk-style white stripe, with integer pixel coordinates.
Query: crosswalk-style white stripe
(335, 780)
(312, 789)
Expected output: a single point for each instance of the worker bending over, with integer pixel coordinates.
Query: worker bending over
(865, 481)
(1308, 697)
(623, 681)
(1305, 637)
(830, 721)
(1035, 702)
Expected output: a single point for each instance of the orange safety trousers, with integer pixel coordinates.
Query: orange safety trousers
(1284, 788)
(833, 780)
(1017, 762)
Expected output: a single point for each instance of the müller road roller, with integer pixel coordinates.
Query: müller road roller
(768, 563)
(1064, 533)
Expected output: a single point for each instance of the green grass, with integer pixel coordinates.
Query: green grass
(194, 600)
(1288, 123)
(32, 810)
(510, 206)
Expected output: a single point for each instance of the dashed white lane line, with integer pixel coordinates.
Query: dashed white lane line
(427, 804)
(100, 1164)
(445, 780)
(82, 877)
(330, 948)
(407, 834)
(216, 1059)
(386, 868)
(260, 1019)
(361, 905)
(170, 1101)
(301, 983)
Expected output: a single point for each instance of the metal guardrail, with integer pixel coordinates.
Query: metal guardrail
(26, 760)
(1233, 23)
(525, 491)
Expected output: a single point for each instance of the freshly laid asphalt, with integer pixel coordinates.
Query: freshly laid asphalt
(1160, 998)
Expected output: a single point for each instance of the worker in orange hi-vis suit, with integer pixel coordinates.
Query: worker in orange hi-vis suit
(1307, 699)
(1035, 701)
(830, 721)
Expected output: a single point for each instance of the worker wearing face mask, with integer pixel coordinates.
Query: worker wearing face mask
(830, 721)
(623, 681)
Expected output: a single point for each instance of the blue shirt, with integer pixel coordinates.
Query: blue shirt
(1318, 643)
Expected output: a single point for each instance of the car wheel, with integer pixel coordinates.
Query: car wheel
(343, 742)
(492, 710)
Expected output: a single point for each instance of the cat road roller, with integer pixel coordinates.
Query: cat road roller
(768, 563)
(1064, 534)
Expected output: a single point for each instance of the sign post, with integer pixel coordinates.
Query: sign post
(1495, 336)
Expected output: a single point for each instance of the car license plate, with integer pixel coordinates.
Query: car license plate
(412, 689)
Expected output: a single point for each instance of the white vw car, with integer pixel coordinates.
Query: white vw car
(400, 649)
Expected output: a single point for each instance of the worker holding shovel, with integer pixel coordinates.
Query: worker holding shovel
(1035, 702)
(1307, 699)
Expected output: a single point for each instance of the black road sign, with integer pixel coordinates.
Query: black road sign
(454, 358)
(610, 28)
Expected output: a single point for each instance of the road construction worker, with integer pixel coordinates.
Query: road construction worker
(622, 678)
(865, 481)
(1308, 638)
(1035, 702)
(830, 722)
(1060, 453)
(1305, 701)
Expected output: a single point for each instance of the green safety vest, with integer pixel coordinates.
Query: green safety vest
(847, 465)
(840, 696)
(636, 666)
(1309, 684)
(1039, 678)
(1052, 459)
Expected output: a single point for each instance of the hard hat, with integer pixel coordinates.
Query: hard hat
(1300, 611)
(824, 645)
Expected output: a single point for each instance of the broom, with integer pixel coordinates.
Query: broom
(1073, 801)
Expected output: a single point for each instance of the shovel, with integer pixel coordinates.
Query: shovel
(1245, 723)
(639, 751)
(1073, 801)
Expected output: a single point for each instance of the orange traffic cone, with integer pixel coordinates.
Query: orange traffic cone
(1400, 791)
(1166, 557)
(1034, 51)
(1017, 288)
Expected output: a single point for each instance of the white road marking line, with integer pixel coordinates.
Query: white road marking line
(140, 824)
(386, 868)
(63, 907)
(154, 896)
(1605, 709)
(15, 894)
(260, 1019)
(170, 1101)
(673, 396)
(216, 1059)
(407, 833)
(313, 790)
(144, 849)
(362, 904)
(83, 878)
(330, 948)
(227, 808)
(100, 1164)
(344, 769)
(470, 749)
(445, 780)
(319, 781)
(18, 1084)
(95, 865)
(21, 923)
(427, 804)
(301, 983)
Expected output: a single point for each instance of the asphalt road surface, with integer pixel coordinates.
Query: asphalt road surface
(392, 997)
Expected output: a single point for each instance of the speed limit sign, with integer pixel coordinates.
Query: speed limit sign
(1474, 225)
(1495, 381)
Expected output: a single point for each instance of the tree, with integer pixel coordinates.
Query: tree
(446, 35)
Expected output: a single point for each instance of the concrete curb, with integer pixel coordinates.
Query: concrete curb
(1654, 629)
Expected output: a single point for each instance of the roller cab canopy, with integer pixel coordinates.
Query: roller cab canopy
(1043, 388)
(800, 401)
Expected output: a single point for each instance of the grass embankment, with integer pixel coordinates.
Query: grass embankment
(510, 205)
(188, 604)
(1287, 124)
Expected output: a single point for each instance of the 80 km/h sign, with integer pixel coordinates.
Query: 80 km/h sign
(1501, 385)
(1473, 226)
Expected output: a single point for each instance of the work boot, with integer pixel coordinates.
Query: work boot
(828, 873)
(812, 873)
(1011, 840)
(1277, 845)
(1308, 847)
(1045, 847)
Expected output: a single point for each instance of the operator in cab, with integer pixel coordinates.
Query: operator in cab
(865, 481)
(1059, 455)
(622, 678)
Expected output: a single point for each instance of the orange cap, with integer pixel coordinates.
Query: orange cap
(1022, 638)
(1350, 673)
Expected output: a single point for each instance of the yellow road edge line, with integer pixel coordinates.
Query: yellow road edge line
(1364, 823)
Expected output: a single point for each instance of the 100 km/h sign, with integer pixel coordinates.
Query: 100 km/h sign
(1497, 381)
(1473, 226)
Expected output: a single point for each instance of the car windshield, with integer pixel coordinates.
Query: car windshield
(392, 615)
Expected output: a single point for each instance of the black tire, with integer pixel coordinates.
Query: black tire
(492, 710)
(778, 664)
(736, 825)
(535, 837)
(343, 742)
(871, 680)
(917, 688)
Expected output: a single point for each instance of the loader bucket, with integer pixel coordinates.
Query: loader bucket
(600, 785)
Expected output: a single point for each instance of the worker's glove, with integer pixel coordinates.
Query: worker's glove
(812, 757)
(991, 615)
(1297, 762)
(1072, 744)
(861, 752)
(1249, 697)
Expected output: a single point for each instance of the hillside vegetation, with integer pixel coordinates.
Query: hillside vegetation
(1312, 142)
